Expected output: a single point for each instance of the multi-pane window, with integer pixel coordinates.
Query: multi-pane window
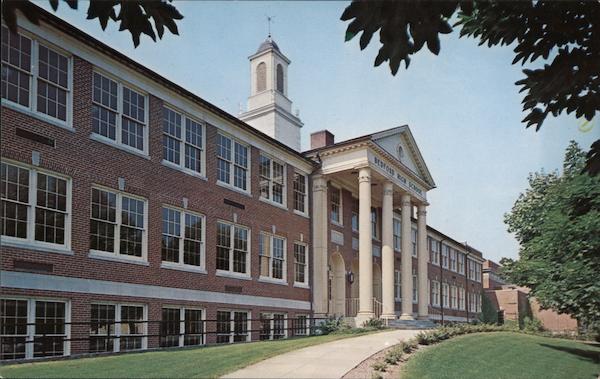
(354, 221)
(117, 327)
(445, 294)
(118, 224)
(183, 141)
(35, 206)
(374, 223)
(445, 254)
(471, 268)
(232, 326)
(477, 277)
(232, 163)
(119, 113)
(133, 328)
(48, 328)
(272, 326)
(300, 263)
(435, 293)
(300, 325)
(102, 328)
(271, 250)
(232, 248)
(397, 285)
(415, 289)
(181, 327)
(272, 179)
(461, 298)
(453, 297)
(300, 192)
(182, 237)
(397, 235)
(336, 205)
(461, 263)
(453, 259)
(413, 241)
(435, 251)
(42, 85)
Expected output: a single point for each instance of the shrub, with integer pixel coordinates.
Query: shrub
(333, 325)
(374, 323)
(532, 325)
(408, 346)
(379, 366)
(393, 356)
(427, 338)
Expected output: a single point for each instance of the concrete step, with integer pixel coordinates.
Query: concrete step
(411, 324)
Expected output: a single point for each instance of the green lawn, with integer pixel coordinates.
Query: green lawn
(199, 362)
(505, 355)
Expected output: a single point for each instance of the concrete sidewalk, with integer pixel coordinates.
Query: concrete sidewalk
(328, 360)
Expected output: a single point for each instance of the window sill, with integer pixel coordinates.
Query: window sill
(183, 169)
(303, 214)
(116, 258)
(301, 285)
(336, 223)
(265, 279)
(271, 202)
(108, 141)
(179, 267)
(233, 188)
(30, 245)
(233, 275)
(37, 115)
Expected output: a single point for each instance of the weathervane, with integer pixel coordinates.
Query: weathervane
(269, 21)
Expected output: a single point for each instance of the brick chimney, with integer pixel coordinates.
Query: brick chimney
(321, 138)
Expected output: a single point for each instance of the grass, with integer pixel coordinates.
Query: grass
(505, 355)
(199, 362)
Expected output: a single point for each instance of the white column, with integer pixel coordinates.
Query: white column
(423, 256)
(319, 264)
(407, 305)
(365, 252)
(387, 252)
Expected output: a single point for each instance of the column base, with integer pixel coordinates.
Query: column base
(362, 317)
(406, 316)
(388, 316)
(423, 317)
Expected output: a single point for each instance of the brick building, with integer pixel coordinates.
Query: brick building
(137, 215)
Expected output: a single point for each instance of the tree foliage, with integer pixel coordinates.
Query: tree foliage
(149, 17)
(563, 35)
(557, 223)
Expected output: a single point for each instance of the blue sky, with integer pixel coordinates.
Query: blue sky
(462, 106)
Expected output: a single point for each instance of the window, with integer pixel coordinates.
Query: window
(261, 77)
(280, 78)
(453, 260)
(471, 266)
(435, 293)
(183, 141)
(477, 272)
(445, 299)
(461, 298)
(374, 224)
(118, 224)
(273, 326)
(119, 113)
(102, 328)
(301, 325)
(232, 163)
(461, 263)
(272, 179)
(182, 245)
(300, 185)
(117, 327)
(453, 297)
(445, 254)
(435, 251)
(336, 205)
(354, 221)
(272, 253)
(415, 289)
(133, 328)
(232, 249)
(48, 328)
(36, 76)
(397, 285)
(397, 235)
(181, 327)
(232, 326)
(36, 206)
(413, 240)
(300, 263)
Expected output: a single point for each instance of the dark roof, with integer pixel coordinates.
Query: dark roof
(99, 46)
(267, 45)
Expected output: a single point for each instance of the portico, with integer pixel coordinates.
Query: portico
(382, 171)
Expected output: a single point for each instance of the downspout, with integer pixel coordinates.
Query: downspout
(467, 280)
(442, 278)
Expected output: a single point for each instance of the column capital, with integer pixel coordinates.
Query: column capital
(388, 188)
(364, 175)
(319, 183)
(406, 200)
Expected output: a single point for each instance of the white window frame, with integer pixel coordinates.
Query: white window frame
(271, 318)
(306, 329)
(435, 251)
(397, 236)
(181, 265)
(270, 200)
(460, 259)
(414, 239)
(306, 189)
(453, 297)
(306, 264)
(398, 285)
(33, 77)
(230, 273)
(435, 293)
(117, 142)
(445, 256)
(182, 144)
(339, 222)
(461, 298)
(30, 241)
(182, 323)
(231, 184)
(270, 278)
(116, 255)
(355, 225)
(29, 338)
(117, 324)
(453, 260)
(232, 324)
(375, 227)
(415, 289)
(445, 295)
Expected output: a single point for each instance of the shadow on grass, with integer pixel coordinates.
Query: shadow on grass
(590, 355)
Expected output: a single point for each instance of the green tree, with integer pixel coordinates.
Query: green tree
(489, 313)
(557, 224)
(133, 15)
(563, 35)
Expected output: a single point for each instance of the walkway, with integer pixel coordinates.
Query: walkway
(328, 360)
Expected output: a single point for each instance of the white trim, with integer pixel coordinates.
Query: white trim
(108, 256)
(232, 164)
(178, 267)
(40, 116)
(128, 149)
(269, 278)
(181, 250)
(340, 221)
(230, 272)
(306, 212)
(306, 283)
(187, 171)
(233, 275)
(269, 200)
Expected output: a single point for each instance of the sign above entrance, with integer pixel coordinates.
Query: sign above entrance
(397, 177)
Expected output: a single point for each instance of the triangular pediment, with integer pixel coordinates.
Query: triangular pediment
(400, 144)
